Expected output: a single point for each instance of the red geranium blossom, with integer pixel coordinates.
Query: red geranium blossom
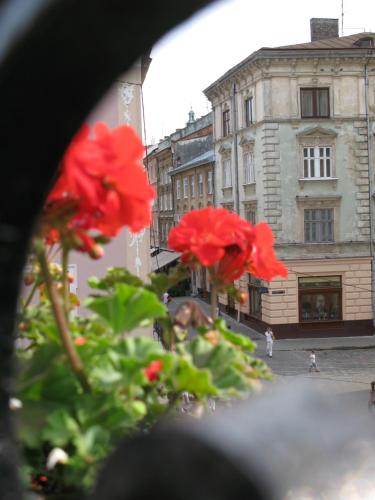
(227, 244)
(105, 179)
(153, 369)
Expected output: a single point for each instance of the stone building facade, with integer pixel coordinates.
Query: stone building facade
(293, 135)
(170, 155)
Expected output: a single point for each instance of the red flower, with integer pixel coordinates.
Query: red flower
(227, 244)
(103, 175)
(152, 370)
(80, 340)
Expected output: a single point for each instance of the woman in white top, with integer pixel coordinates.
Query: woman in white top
(269, 339)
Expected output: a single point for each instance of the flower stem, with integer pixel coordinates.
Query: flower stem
(31, 295)
(213, 301)
(65, 283)
(60, 319)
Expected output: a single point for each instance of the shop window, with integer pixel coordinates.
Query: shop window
(320, 298)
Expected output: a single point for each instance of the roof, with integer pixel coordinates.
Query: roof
(207, 157)
(343, 42)
(329, 45)
(163, 258)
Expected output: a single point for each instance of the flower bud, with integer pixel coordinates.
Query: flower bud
(242, 297)
(56, 456)
(29, 278)
(96, 252)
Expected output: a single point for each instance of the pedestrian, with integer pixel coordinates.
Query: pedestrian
(269, 339)
(313, 364)
(371, 399)
(166, 298)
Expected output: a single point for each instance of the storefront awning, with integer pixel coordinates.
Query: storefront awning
(163, 258)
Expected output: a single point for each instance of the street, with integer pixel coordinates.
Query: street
(347, 365)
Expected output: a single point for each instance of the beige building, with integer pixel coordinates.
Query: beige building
(293, 136)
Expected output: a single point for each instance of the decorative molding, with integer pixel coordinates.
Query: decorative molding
(247, 141)
(317, 132)
(225, 150)
(126, 92)
(327, 201)
(323, 181)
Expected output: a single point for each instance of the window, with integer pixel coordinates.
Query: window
(170, 201)
(318, 225)
(255, 297)
(165, 201)
(166, 176)
(317, 162)
(178, 189)
(200, 184)
(249, 118)
(227, 173)
(248, 166)
(192, 183)
(250, 215)
(319, 298)
(186, 181)
(209, 182)
(226, 122)
(315, 103)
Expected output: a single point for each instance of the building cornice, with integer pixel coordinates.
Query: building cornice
(262, 59)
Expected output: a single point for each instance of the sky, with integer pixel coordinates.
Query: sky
(195, 54)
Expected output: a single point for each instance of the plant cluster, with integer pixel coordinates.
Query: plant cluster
(85, 381)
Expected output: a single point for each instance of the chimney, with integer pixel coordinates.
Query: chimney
(322, 28)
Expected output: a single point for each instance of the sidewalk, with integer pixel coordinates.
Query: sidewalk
(317, 344)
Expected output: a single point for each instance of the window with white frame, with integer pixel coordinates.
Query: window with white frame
(200, 184)
(178, 189)
(249, 111)
(209, 182)
(227, 173)
(186, 185)
(248, 167)
(192, 185)
(170, 201)
(317, 162)
(318, 224)
(226, 122)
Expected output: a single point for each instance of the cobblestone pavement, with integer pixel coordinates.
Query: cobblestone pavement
(344, 370)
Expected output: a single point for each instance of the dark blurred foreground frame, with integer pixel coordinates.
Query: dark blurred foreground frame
(290, 443)
(57, 59)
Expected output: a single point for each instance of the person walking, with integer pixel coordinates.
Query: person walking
(269, 341)
(371, 399)
(313, 364)
(166, 298)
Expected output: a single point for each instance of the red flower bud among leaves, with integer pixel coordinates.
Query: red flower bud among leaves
(96, 252)
(70, 278)
(80, 340)
(153, 369)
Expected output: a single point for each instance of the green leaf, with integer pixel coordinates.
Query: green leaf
(60, 428)
(191, 379)
(234, 338)
(127, 308)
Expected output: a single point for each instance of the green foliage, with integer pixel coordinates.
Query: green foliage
(127, 307)
(123, 397)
